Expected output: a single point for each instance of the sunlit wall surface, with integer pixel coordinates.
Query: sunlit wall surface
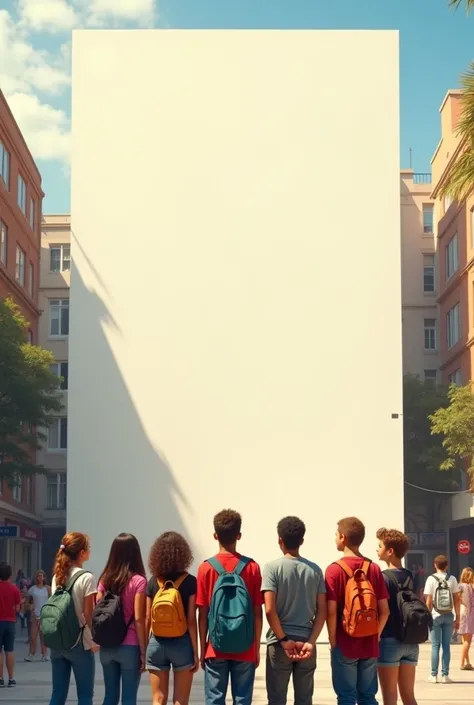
(235, 307)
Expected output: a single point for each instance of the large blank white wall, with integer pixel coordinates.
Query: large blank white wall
(235, 306)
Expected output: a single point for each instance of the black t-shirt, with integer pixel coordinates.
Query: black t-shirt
(187, 588)
(401, 575)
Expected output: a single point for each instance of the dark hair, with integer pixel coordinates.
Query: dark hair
(170, 554)
(396, 540)
(124, 561)
(227, 525)
(353, 529)
(71, 547)
(441, 562)
(5, 571)
(291, 530)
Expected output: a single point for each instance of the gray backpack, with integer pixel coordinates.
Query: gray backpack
(443, 601)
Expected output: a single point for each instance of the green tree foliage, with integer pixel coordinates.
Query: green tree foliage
(456, 424)
(458, 3)
(28, 395)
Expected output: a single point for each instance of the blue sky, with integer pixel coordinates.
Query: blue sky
(436, 45)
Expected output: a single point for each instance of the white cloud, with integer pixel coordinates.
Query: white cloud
(102, 11)
(46, 129)
(51, 16)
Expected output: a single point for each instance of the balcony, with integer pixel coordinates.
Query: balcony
(420, 178)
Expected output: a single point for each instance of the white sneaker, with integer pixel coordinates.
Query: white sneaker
(45, 659)
(433, 679)
(446, 679)
(29, 658)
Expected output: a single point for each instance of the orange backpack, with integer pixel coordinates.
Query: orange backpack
(360, 617)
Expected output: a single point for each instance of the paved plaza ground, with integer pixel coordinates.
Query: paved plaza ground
(34, 683)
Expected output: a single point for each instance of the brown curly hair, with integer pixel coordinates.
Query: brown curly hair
(394, 539)
(170, 554)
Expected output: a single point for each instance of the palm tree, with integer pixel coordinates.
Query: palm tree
(460, 180)
(458, 3)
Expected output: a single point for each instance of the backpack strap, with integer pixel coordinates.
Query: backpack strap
(180, 580)
(405, 585)
(342, 564)
(74, 579)
(214, 563)
(241, 564)
(366, 566)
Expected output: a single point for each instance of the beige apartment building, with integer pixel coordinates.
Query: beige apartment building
(420, 319)
(53, 335)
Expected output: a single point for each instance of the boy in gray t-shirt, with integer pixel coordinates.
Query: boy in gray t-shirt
(295, 605)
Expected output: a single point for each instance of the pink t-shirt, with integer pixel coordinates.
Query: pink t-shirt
(136, 586)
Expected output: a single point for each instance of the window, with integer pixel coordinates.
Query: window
(32, 213)
(21, 195)
(430, 375)
(60, 258)
(20, 266)
(61, 369)
(59, 317)
(3, 242)
(16, 489)
(453, 326)
(428, 213)
(5, 165)
(57, 434)
(455, 377)
(428, 274)
(56, 491)
(31, 280)
(452, 256)
(430, 333)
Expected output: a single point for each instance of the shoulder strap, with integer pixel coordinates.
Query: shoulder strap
(391, 576)
(241, 564)
(175, 583)
(345, 568)
(74, 579)
(180, 580)
(366, 566)
(438, 580)
(214, 563)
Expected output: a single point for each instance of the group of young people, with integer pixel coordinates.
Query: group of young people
(181, 622)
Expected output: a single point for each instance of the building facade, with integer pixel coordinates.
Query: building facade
(53, 336)
(420, 319)
(21, 198)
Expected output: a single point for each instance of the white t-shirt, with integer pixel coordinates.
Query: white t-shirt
(432, 584)
(83, 587)
(39, 596)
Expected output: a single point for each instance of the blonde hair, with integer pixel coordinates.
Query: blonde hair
(467, 576)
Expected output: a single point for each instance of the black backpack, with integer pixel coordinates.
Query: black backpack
(109, 628)
(412, 619)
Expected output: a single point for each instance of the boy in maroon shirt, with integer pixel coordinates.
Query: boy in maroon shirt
(353, 660)
(219, 667)
(10, 599)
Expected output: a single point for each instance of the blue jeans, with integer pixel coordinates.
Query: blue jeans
(82, 664)
(354, 680)
(441, 635)
(121, 664)
(216, 680)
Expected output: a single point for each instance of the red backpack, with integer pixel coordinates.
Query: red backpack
(360, 617)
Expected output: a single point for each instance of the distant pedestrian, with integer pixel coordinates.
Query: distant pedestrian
(10, 600)
(466, 621)
(38, 595)
(442, 599)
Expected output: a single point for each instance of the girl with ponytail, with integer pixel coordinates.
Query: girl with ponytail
(72, 554)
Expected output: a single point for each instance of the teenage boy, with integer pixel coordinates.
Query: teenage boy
(440, 588)
(353, 659)
(397, 660)
(219, 667)
(10, 601)
(295, 605)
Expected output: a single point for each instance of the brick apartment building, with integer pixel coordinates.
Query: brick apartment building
(20, 244)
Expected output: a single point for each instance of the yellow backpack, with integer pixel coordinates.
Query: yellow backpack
(167, 611)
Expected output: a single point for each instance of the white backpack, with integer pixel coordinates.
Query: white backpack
(443, 601)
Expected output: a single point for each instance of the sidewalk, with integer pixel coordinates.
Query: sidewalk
(34, 683)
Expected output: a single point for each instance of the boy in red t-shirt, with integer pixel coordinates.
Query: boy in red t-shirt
(353, 660)
(10, 600)
(218, 667)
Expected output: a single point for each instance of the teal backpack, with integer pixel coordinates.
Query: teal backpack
(231, 615)
(59, 622)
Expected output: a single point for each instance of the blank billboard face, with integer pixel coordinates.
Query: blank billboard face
(235, 307)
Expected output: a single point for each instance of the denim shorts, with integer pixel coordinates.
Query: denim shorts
(7, 637)
(164, 653)
(395, 653)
